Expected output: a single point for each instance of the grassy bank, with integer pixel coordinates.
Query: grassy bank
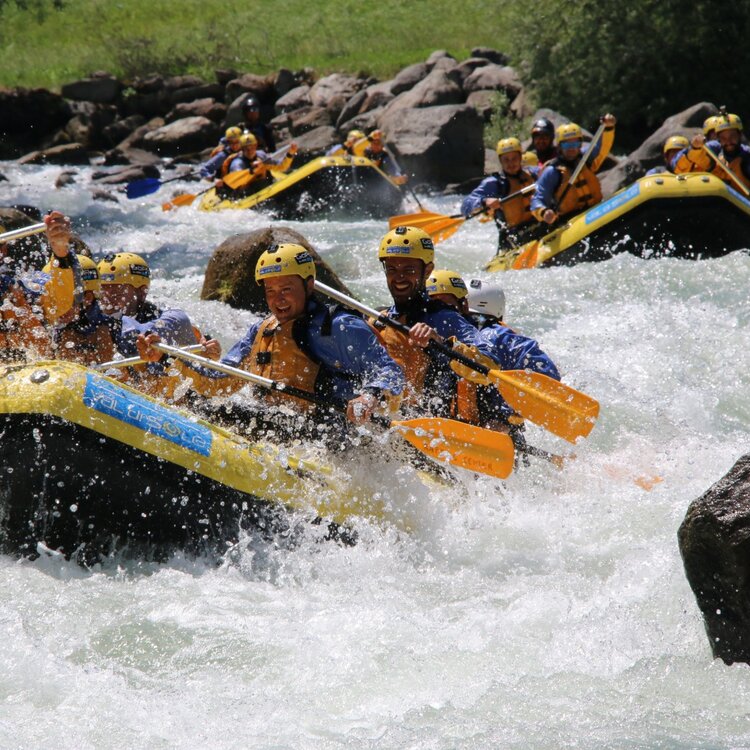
(132, 37)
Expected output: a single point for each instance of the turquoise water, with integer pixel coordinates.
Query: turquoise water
(547, 611)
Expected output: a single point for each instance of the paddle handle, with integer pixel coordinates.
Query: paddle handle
(365, 310)
(731, 174)
(132, 361)
(17, 234)
(528, 189)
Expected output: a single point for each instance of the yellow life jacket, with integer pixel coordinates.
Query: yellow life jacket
(518, 210)
(277, 355)
(584, 192)
(224, 169)
(413, 360)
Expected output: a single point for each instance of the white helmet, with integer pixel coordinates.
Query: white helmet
(486, 299)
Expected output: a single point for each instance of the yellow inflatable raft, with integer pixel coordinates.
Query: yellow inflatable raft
(685, 216)
(330, 185)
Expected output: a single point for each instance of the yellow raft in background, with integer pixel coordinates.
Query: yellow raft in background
(684, 216)
(90, 463)
(340, 185)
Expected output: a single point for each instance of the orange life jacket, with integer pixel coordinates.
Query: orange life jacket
(22, 331)
(518, 210)
(413, 360)
(584, 192)
(87, 348)
(276, 354)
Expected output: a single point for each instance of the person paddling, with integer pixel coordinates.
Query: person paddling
(555, 198)
(511, 216)
(228, 145)
(304, 343)
(483, 305)
(407, 255)
(28, 305)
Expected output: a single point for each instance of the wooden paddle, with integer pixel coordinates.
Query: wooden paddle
(459, 444)
(731, 174)
(557, 407)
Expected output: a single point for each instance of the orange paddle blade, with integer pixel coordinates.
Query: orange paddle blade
(441, 230)
(414, 220)
(562, 410)
(460, 444)
(185, 199)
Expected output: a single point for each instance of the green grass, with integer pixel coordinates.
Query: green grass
(135, 37)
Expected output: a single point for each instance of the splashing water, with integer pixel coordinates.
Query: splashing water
(550, 610)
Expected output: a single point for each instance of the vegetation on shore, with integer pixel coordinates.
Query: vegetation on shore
(642, 60)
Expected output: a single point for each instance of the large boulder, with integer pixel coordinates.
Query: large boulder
(714, 542)
(316, 142)
(409, 77)
(434, 90)
(207, 107)
(439, 145)
(650, 153)
(193, 93)
(27, 116)
(336, 86)
(306, 119)
(88, 123)
(495, 77)
(295, 98)
(262, 87)
(230, 274)
(67, 153)
(493, 55)
(102, 88)
(188, 135)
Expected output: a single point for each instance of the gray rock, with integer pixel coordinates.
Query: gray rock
(484, 102)
(334, 85)
(409, 77)
(68, 153)
(494, 77)
(308, 118)
(365, 122)
(193, 93)
(181, 136)
(435, 90)
(208, 108)
(174, 83)
(103, 89)
(437, 144)
(260, 86)
(65, 178)
(123, 176)
(493, 55)
(438, 57)
(103, 195)
(230, 274)
(465, 68)
(714, 541)
(284, 82)
(353, 107)
(316, 142)
(297, 97)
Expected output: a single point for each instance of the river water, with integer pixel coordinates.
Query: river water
(547, 611)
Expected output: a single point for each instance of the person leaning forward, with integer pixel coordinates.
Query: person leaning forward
(554, 198)
(407, 255)
(303, 343)
(27, 305)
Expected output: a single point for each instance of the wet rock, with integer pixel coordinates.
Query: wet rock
(130, 155)
(68, 153)
(123, 176)
(3, 178)
(65, 178)
(101, 87)
(714, 543)
(230, 274)
(103, 195)
(88, 124)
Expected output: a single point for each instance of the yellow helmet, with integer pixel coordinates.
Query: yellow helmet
(89, 274)
(446, 282)
(569, 132)
(285, 259)
(248, 139)
(354, 135)
(676, 142)
(376, 135)
(710, 123)
(124, 268)
(407, 242)
(233, 134)
(508, 146)
(529, 159)
(728, 122)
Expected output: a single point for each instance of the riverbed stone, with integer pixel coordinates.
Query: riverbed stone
(714, 541)
(230, 274)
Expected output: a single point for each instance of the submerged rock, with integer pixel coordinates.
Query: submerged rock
(714, 542)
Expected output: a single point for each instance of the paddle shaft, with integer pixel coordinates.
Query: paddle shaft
(17, 234)
(581, 164)
(731, 174)
(365, 310)
(132, 361)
